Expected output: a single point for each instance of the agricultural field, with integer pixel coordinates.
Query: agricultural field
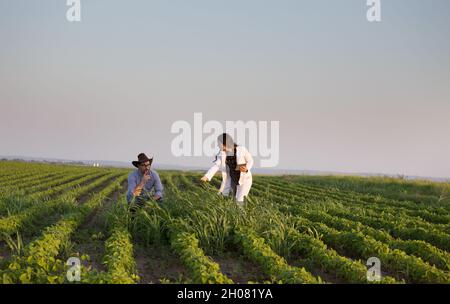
(293, 230)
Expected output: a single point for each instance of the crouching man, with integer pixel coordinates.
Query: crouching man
(235, 163)
(143, 181)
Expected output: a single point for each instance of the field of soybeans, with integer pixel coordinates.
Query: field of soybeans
(293, 229)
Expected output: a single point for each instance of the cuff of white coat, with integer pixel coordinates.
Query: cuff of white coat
(209, 177)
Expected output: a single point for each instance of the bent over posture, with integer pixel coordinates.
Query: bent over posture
(235, 163)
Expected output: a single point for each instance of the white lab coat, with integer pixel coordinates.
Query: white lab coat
(245, 180)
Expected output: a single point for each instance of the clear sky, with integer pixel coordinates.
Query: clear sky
(350, 95)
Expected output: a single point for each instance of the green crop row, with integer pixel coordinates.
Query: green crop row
(259, 252)
(119, 258)
(433, 236)
(399, 229)
(375, 208)
(370, 201)
(201, 268)
(14, 223)
(16, 202)
(329, 260)
(39, 263)
(411, 268)
(427, 252)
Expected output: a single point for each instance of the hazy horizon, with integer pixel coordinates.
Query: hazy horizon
(351, 96)
(272, 171)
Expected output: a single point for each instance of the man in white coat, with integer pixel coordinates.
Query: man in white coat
(235, 163)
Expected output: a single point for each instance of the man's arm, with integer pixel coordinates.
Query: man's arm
(158, 186)
(135, 188)
(132, 183)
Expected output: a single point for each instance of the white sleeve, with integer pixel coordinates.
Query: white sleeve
(248, 159)
(212, 171)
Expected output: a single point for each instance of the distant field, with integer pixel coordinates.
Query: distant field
(294, 229)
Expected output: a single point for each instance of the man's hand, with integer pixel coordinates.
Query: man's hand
(145, 178)
(141, 185)
(137, 191)
(243, 168)
(204, 179)
(156, 197)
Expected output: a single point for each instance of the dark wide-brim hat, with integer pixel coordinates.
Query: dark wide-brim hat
(142, 158)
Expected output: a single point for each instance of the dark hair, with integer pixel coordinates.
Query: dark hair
(226, 140)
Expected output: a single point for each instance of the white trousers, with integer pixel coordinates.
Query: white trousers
(241, 190)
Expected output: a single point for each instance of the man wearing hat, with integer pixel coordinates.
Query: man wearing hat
(235, 163)
(143, 180)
